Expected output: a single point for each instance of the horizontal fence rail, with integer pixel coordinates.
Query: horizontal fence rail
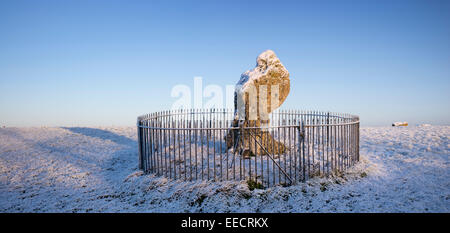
(191, 145)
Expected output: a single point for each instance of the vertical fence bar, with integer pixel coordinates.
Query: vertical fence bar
(334, 136)
(191, 126)
(139, 143)
(146, 145)
(221, 125)
(179, 126)
(152, 124)
(150, 146)
(328, 141)
(357, 138)
(303, 148)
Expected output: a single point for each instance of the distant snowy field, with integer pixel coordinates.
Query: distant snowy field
(95, 170)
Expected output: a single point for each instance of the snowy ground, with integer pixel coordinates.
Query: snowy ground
(95, 170)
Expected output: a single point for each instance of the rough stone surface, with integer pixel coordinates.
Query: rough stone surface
(258, 93)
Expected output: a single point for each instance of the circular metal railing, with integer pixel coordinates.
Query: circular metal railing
(208, 144)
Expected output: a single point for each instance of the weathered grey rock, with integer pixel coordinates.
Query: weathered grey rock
(259, 92)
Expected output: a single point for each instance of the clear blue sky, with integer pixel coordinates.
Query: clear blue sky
(88, 63)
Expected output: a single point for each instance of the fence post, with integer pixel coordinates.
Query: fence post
(301, 144)
(139, 143)
(357, 139)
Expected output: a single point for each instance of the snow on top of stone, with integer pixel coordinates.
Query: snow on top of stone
(265, 60)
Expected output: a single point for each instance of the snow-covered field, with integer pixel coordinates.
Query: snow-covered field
(95, 170)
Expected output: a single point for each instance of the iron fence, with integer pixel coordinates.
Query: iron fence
(192, 145)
